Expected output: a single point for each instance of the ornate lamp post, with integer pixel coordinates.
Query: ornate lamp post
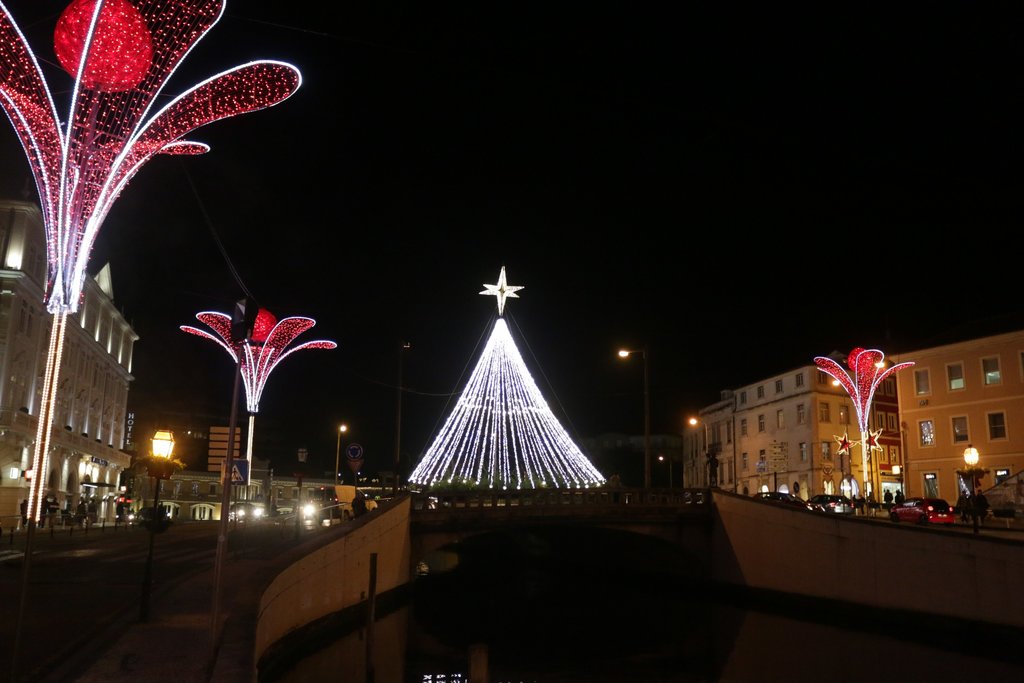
(972, 472)
(626, 353)
(160, 467)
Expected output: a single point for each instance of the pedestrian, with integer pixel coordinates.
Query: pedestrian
(24, 513)
(980, 505)
(899, 497)
(887, 498)
(963, 506)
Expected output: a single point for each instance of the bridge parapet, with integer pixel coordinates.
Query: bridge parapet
(563, 502)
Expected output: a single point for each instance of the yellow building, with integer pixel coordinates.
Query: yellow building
(968, 393)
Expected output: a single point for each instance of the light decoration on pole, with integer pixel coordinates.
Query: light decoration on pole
(120, 54)
(869, 371)
(501, 433)
(257, 356)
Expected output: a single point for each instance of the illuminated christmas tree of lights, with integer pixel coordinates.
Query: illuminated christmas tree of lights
(120, 55)
(257, 357)
(869, 371)
(501, 433)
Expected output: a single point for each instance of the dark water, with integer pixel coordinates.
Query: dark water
(536, 608)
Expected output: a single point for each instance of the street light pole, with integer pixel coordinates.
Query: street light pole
(163, 444)
(712, 479)
(626, 353)
(342, 428)
(971, 460)
(398, 416)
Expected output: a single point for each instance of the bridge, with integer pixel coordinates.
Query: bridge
(679, 516)
(732, 541)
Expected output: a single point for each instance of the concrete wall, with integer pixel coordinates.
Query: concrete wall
(336, 576)
(868, 562)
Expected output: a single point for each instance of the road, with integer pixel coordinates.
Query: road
(84, 588)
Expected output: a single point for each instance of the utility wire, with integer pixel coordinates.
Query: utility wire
(216, 237)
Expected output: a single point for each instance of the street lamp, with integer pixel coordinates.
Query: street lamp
(626, 353)
(971, 460)
(160, 467)
(711, 460)
(342, 428)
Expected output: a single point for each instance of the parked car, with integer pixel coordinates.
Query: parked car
(783, 498)
(923, 511)
(824, 502)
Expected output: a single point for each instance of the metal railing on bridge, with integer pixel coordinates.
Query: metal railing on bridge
(590, 498)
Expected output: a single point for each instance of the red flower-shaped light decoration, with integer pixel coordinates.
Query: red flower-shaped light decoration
(257, 360)
(121, 59)
(868, 372)
(134, 46)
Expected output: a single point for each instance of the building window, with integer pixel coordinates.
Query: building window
(823, 377)
(778, 386)
(743, 427)
(826, 450)
(213, 489)
(844, 414)
(743, 398)
(744, 459)
(880, 419)
(890, 421)
(798, 379)
(955, 376)
(760, 392)
(801, 413)
(803, 451)
(926, 432)
(824, 414)
(889, 386)
(762, 461)
(780, 419)
(996, 426)
(990, 371)
(894, 455)
(760, 423)
(960, 434)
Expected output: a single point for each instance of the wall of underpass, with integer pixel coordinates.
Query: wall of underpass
(870, 562)
(336, 576)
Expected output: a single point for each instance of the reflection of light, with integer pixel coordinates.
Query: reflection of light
(257, 512)
(309, 510)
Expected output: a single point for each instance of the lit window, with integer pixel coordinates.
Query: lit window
(990, 371)
(926, 432)
(960, 434)
(955, 376)
(803, 451)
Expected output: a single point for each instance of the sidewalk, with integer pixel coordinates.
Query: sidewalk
(176, 644)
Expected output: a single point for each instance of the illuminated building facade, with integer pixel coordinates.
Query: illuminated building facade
(90, 413)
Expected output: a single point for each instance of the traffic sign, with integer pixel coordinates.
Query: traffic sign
(239, 472)
(354, 451)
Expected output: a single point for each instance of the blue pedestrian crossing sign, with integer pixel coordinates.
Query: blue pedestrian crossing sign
(239, 472)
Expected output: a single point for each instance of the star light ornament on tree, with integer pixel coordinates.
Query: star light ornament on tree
(119, 54)
(869, 371)
(502, 434)
(257, 357)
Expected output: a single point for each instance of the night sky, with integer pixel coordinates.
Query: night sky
(736, 189)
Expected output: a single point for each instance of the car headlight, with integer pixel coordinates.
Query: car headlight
(309, 510)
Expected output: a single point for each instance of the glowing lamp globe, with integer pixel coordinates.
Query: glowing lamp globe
(264, 324)
(122, 48)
